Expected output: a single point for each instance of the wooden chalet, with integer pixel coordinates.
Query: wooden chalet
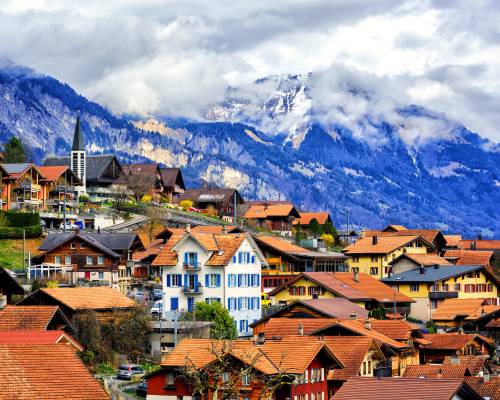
(222, 200)
(276, 217)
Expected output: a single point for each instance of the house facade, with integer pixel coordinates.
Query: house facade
(22, 187)
(274, 216)
(199, 267)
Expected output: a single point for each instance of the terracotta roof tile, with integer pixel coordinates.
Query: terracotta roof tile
(79, 298)
(306, 218)
(361, 388)
(37, 337)
(13, 318)
(385, 244)
(453, 341)
(395, 329)
(227, 245)
(494, 323)
(290, 326)
(474, 363)
(282, 245)
(436, 371)
(45, 372)
(470, 309)
(469, 257)
(481, 244)
(53, 172)
(489, 389)
(453, 240)
(153, 249)
(427, 234)
(426, 259)
(271, 210)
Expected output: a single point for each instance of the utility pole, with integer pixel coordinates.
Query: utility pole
(175, 328)
(24, 249)
(64, 208)
(347, 212)
(234, 208)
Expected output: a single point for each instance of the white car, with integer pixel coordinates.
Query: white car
(157, 308)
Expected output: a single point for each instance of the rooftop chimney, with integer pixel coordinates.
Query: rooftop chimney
(300, 329)
(224, 229)
(355, 273)
(473, 245)
(353, 315)
(368, 324)
(98, 229)
(188, 228)
(480, 237)
(436, 266)
(486, 376)
(261, 338)
(422, 270)
(440, 373)
(374, 240)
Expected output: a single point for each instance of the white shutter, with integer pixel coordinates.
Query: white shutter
(322, 374)
(305, 376)
(307, 397)
(322, 395)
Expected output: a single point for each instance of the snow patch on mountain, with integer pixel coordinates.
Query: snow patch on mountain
(448, 170)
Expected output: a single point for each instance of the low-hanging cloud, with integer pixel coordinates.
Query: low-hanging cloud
(178, 57)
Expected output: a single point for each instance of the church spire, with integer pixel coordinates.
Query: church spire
(78, 141)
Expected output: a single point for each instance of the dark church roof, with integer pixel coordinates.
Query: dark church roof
(172, 176)
(78, 141)
(96, 164)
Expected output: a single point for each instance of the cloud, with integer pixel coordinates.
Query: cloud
(177, 57)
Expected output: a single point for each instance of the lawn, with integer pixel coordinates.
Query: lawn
(11, 252)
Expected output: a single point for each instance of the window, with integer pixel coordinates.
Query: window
(231, 280)
(83, 245)
(364, 367)
(169, 378)
(231, 303)
(243, 303)
(243, 325)
(191, 259)
(245, 380)
(225, 377)
(374, 258)
(190, 302)
(414, 287)
(490, 287)
(67, 260)
(100, 260)
(373, 271)
(212, 280)
(101, 275)
(89, 260)
(355, 259)
(457, 287)
(445, 287)
(243, 280)
(72, 245)
(57, 260)
(244, 257)
(173, 280)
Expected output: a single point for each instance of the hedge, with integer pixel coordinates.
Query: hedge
(21, 219)
(17, 233)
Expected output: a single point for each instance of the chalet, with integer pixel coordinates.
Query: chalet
(39, 338)
(103, 259)
(45, 371)
(362, 388)
(306, 219)
(263, 361)
(274, 217)
(468, 314)
(9, 286)
(361, 289)
(60, 191)
(452, 242)
(285, 260)
(442, 345)
(431, 286)
(312, 310)
(470, 257)
(223, 201)
(172, 183)
(22, 187)
(372, 255)
(433, 236)
(408, 261)
(34, 318)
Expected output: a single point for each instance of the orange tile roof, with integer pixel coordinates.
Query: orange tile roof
(37, 337)
(166, 256)
(453, 341)
(81, 298)
(351, 351)
(436, 371)
(53, 172)
(427, 234)
(494, 323)
(453, 240)
(372, 288)
(227, 245)
(364, 388)
(290, 326)
(490, 389)
(473, 363)
(395, 329)
(385, 244)
(154, 248)
(306, 218)
(218, 229)
(396, 228)
(14, 318)
(271, 210)
(45, 372)
(470, 257)
(470, 309)
(282, 245)
(426, 259)
(481, 244)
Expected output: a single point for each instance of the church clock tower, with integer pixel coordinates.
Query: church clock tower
(78, 155)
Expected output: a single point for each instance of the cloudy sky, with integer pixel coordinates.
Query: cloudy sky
(175, 57)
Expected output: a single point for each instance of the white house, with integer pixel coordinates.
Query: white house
(213, 267)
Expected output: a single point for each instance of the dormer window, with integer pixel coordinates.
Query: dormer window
(83, 245)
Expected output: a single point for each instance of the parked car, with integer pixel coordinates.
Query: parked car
(126, 371)
(140, 297)
(142, 389)
(157, 308)
(157, 294)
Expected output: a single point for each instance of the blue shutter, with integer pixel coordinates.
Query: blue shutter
(168, 280)
(229, 280)
(239, 303)
(186, 280)
(257, 301)
(174, 303)
(185, 258)
(253, 259)
(234, 259)
(239, 257)
(239, 280)
(196, 259)
(241, 325)
(196, 281)
(229, 303)
(179, 280)
(207, 280)
(217, 280)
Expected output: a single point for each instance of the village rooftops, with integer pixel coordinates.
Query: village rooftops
(17, 170)
(460, 309)
(433, 371)
(480, 244)
(38, 337)
(488, 387)
(437, 273)
(96, 166)
(43, 372)
(322, 217)
(454, 341)
(39, 318)
(426, 260)
(469, 257)
(85, 298)
(211, 195)
(53, 173)
(428, 234)
(474, 363)
(382, 244)
(364, 388)
(271, 210)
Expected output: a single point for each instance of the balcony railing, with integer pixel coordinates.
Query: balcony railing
(193, 289)
(403, 310)
(443, 295)
(191, 266)
(382, 371)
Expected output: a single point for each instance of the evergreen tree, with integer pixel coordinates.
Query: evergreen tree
(223, 324)
(14, 151)
(315, 227)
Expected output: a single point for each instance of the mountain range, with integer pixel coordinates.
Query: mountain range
(286, 137)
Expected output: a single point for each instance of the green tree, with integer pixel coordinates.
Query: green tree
(14, 151)
(315, 227)
(223, 324)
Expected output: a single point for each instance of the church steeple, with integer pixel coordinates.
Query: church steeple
(78, 141)
(78, 155)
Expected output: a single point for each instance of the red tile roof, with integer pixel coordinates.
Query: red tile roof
(453, 341)
(490, 389)
(37, 337)
(97, 298)
(426, 260)
(271, 210)
(53, 172)
(290, 326)
(436, 371)
(395, 329)
(45, 372)
(474, 363)
(453, 240)
(481, 244)
(470, 309)
(337, 307)
(469, 257)
(306, 217)
(385, 244)
(13, 318)
(361, 388)
(427, 234)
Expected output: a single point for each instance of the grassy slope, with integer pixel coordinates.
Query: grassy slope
(11, 252)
